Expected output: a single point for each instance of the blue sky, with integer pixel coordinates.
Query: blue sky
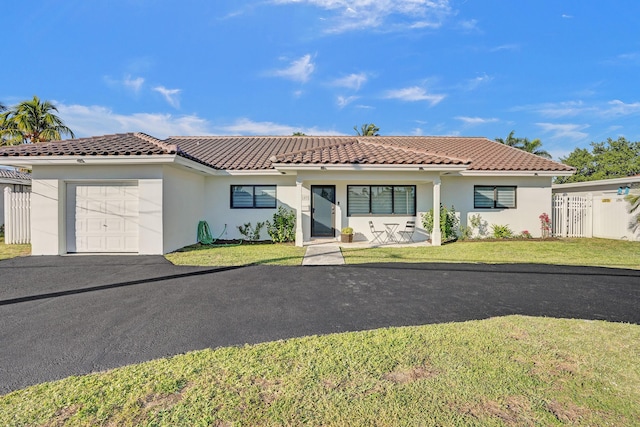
(564, 71)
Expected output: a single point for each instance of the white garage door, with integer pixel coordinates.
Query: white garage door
(102, 217)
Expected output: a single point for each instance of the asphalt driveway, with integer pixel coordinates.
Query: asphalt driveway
(62, 316)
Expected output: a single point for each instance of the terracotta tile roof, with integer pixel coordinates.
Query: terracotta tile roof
(258, 153)
(127, 144)
(15, 175)
(364, 152)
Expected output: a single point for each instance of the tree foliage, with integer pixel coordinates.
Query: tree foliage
(32, 121)
(608, 159)
(367, 129)
(533, 147)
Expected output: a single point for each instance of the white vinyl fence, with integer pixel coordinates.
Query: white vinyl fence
(592, 216)
(17, 217)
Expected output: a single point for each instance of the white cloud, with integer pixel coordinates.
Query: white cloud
(300, 70)
(568, 131)
(599, 110)
(413, 94)
(134, 84)
(170, 95)
(389, 15)
(619, 108)
(99, 120)
(344, 101)
(473, 84)
(469, 26)
(565, 16)
(352, 81)
(245, 126)
(508, 46)
(130, 83)
(472, 121)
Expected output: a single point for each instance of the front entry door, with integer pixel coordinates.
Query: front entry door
(323, 210)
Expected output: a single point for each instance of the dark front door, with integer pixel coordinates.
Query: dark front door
(323, 210)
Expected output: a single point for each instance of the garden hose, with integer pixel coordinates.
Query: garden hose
(204, 233)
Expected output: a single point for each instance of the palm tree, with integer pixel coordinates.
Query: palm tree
(511, 141)
(534, 147)
(367, 129)
(634, 201)
(32, 121)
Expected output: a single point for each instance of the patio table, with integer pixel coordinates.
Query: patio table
(391, 228)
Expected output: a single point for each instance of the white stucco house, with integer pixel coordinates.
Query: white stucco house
(17, 181)
(135, 193)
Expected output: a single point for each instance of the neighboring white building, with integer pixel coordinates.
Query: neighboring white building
(18, 182)
(135, 193)
(608, 215)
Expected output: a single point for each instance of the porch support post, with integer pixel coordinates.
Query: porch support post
(436, 234)
(299, 233)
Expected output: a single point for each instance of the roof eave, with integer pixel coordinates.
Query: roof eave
(284, 167)
(549, 173)
(611, 181)
(30, 161)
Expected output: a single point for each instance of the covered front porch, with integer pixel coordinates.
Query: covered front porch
(377, 208)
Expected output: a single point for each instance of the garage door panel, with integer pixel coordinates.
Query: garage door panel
(105, 218)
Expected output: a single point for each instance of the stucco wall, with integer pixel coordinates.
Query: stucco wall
(217, 203)
(533, 198)
(218, 211)
(183, 200)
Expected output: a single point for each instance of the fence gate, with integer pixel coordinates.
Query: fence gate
(572, 216)
(17, 217)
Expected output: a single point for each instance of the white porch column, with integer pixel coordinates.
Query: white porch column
(436, 234)
(299, 233)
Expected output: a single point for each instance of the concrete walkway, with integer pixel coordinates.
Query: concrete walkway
(324, 254)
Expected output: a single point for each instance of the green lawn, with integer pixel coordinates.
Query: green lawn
(240, 254)
(12, 251)
(591, 252)
(509, 371)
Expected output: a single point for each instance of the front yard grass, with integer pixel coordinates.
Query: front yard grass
(12, 251)
(512, 370)
(238, 254)
(589, 252)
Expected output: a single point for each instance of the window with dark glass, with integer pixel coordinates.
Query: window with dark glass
(494, 197)
(253, 196)
(381, 200)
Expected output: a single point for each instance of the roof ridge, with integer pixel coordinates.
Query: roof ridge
(157, 142)
(417, 151)
(274, 158)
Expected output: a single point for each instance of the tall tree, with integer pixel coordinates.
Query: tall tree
(32, 121)
(534, 147)
(634, 201)
(367, 129)
(608, 159)
(511, 141)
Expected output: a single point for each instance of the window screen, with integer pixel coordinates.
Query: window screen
(253, 196)
(494, 196)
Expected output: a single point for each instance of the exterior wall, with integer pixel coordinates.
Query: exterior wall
(48, 203)
(218, 212)
(183, 199)
(533, 197)
(224, 221)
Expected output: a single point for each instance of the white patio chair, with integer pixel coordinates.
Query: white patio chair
(377, 234)
(407, 233)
